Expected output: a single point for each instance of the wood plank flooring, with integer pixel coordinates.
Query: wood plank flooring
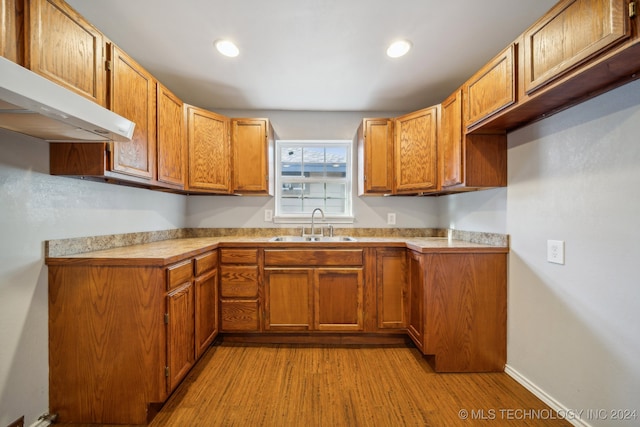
(310, 385)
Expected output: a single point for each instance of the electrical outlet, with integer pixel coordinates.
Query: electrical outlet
(555, 251)
(268, 215)
(391, 219)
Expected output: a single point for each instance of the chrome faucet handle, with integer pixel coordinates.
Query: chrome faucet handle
(330, 230)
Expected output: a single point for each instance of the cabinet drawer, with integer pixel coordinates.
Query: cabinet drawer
(178, 274)
(239, 315)
(205, 262)
(239, 281)
(239, 256)
(313, 257)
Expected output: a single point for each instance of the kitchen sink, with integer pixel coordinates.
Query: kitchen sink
(313, 239)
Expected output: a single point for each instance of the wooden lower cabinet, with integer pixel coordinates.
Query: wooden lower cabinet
(239, 290)
(459, 309)
(314, 290)
(391, 288)
(121, 334)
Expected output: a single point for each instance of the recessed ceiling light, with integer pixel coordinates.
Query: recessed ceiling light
(399, 48)
(227, 48)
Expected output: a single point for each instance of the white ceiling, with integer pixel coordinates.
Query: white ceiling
(316, 55)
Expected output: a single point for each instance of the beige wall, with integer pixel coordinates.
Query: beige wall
(573, 329)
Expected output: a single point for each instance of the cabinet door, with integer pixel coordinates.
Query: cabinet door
(11, 15)
(288, 299)
(415, 152)
(491, 89)
(338, 299)
(209, 152)
(375, 149)
(133, 95)
(251, 145)
(569, 34)
(171, 145)
(180, 334)
(450, 141)
(65, 49)
(415, 328)
(391, 286)
(206, 310)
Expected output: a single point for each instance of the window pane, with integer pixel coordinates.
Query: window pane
(313, 174)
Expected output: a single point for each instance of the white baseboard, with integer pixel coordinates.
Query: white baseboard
(542, 395)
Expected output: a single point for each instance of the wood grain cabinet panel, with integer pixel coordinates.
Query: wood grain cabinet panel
(171, 143)
(240, 293)
(468, 162)
(133, 95)
(391, 288)
(458, 309)
(252, 142)
(209, 151)
(180, 333)
(65, 48)
(416, 152)
(288, 299)
(416, 291)
(12, 30)
(569, 34)
(492, 88)
(375, 156)
(107, 343)
(206, 322)
(338, 299)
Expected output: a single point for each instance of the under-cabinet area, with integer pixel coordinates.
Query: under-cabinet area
(127, 324)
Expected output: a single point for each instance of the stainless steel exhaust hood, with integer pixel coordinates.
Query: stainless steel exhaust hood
(33, 105)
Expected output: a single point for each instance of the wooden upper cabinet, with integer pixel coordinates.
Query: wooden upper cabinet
(171, 144)
(492, 88)
(133, 95)
(450, 142)
(209, 151)
(11, 32)
(65, 48)
(416, 152)
(252, 144)
(570, 33)
(375, 156)
(468, 162)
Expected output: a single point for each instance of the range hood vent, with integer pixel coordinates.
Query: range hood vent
(35, 106)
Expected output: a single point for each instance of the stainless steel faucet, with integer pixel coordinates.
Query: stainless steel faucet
(313, 231)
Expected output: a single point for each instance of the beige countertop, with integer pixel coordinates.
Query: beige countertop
(165, 252)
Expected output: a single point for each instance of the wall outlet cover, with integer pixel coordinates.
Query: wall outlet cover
(555, 251)
(268, 215)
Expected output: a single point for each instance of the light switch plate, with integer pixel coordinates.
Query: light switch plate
(555, 251)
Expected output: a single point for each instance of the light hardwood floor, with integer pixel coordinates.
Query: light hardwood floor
(310, 385)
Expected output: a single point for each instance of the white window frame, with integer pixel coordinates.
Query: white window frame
(280, 217)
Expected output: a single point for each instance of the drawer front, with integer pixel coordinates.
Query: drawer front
(239, 256)
(205, 263)
(179, 274)
(239, 316)
(314, 257)
(238, 281)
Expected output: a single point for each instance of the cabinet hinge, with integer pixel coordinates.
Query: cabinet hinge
(633, 9)
(166, 318)
(166, 371)
(107, 65)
